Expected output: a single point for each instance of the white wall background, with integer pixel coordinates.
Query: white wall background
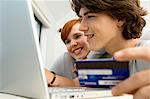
(62, 12)
(59, 11)
(146, 31)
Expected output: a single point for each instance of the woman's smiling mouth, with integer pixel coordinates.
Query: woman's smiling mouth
(77, 50)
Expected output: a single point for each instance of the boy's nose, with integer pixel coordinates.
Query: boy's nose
(83, 26)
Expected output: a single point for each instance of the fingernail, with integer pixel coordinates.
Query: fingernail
(118, 55)
(114, 90)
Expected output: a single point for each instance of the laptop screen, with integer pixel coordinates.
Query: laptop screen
(20, 59)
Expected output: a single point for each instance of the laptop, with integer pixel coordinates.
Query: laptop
(20, 63)
(21, 66)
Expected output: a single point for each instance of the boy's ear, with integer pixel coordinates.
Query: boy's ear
(120, 23)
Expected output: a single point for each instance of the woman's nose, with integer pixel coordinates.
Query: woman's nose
(73, 43)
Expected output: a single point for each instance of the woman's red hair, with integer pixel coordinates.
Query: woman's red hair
(67, 28)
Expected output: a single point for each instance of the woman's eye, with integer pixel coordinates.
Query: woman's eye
(67, 41)
(77, 36)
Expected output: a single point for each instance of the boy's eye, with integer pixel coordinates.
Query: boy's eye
(90, 16)
(80, 18)
(67, 41)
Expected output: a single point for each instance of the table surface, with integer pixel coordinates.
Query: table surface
(8, 96)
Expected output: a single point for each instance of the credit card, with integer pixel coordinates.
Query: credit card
(101, 73)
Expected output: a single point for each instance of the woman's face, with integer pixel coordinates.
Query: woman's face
(76, 43)
(101, 30)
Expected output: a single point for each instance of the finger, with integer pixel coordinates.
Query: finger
(133, 53)
(133, 83)
(142, 93)
(76, 81)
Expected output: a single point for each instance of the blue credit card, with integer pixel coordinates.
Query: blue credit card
(101, 73)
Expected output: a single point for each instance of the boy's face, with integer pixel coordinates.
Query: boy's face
(101, 30)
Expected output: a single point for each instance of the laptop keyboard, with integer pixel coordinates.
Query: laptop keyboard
(66, 89)
(77, 93)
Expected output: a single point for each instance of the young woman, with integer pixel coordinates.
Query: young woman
(77, 47)
(113, 25)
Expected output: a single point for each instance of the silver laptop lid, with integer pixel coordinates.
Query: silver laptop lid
(21, 71)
